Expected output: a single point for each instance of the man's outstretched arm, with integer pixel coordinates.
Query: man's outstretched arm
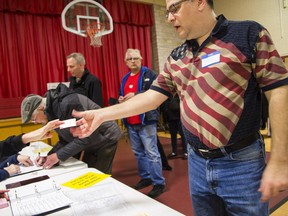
(275, 176)
(41, 133)
(92, 119)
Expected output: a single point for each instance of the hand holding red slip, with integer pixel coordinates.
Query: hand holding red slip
(3, 199)
(3, 203)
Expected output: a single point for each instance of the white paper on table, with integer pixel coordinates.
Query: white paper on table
(28, 169)
(100, 199)
(25, 169)
(71, 162)
(35, 148)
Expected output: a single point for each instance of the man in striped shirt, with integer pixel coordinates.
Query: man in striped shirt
(219, 73)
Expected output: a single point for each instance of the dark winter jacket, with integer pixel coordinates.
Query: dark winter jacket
(146, 78)
(59, 105)
(89, 85)
(11, 145)
(11, 160)
(171, 109)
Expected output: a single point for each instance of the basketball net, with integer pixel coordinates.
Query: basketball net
(91, 31)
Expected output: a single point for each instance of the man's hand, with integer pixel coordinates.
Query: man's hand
(89, 122)
(39, 161)
(274, 180)
(51, 160)
(12, 169)
(4, 195)
(121, 99)
(275, 176)
(129, 96)
(25, 160)
(42, 133)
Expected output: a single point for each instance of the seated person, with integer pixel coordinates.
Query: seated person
(10, 166)
(10, 147)
(13, 144)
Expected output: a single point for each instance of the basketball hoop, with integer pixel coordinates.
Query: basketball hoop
(87, 18)
(91, 31)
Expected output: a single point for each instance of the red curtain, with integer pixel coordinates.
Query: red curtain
(34, 46)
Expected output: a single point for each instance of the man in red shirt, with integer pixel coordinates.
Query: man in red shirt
(142, 128)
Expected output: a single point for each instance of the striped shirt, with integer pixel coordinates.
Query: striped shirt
(220, 82)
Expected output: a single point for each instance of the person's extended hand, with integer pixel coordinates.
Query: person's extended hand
(4, 195)
(121, 99)
(89, 122)
(51, 160)
(39, 161)
(274, 180)
(25, 160)
(12, 169)
(129, 96)
(43, 132)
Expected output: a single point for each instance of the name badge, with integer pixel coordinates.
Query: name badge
(210, 59)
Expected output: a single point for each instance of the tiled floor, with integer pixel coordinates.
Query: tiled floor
(177, 193)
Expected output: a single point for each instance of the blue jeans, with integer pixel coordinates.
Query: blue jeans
(143, 141)
(228, 186)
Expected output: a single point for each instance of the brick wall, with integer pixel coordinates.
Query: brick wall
(164, 38)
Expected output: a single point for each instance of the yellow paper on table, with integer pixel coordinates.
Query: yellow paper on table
(42, 150)
(86, 180)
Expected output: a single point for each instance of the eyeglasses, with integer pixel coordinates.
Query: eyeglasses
(132, 59)
(174, 8)
(35, 116)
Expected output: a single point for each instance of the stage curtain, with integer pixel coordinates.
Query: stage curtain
(34, 46)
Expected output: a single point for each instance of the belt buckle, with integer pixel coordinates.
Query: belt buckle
(202, 152)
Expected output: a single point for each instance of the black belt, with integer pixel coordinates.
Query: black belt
(216, 153)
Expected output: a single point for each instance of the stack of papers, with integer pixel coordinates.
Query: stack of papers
(33, 199)
(35, 148)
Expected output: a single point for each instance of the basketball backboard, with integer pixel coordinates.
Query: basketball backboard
(86, 18)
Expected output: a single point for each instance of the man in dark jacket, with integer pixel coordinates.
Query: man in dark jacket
(59, 103)
(142, 128)
(82, 81)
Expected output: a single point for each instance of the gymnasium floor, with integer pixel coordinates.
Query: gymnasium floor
(177, 193)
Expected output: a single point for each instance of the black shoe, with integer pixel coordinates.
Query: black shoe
(156, 191)
(171, 155)
(143, 183)
(185, 156)
(167, 167)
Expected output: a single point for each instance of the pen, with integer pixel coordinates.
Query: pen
(8, 164)
(38, 154)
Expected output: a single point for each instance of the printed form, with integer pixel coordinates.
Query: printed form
(34, 199)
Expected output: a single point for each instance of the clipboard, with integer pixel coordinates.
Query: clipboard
(37, 197)
(26, 182)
